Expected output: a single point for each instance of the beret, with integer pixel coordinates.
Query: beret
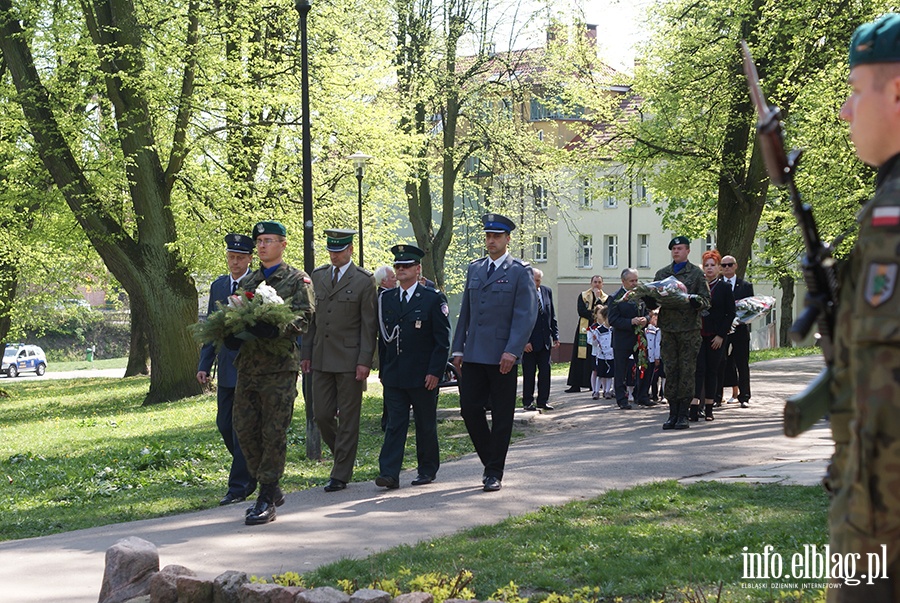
(877, 41)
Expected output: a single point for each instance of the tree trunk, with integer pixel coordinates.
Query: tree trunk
(138, 350)
(787, 315)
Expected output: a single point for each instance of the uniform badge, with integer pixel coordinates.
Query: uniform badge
(881, 281)
(886, 216)
(418, 324)
(445, 310)
(260, 228)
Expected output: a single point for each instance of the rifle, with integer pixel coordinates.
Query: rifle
(806, 408)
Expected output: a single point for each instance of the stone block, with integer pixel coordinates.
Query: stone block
(226, 587)
(192, 589)
(370, 595)
(322, 594)
(162, 583)
(130, 563)
(417, 597)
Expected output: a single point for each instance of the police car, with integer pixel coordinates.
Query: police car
(22, 359)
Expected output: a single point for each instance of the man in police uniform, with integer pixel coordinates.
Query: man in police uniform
(496, 318)
(865, 470)
(339, 350)
(680, 326)
(238, 254)
(415, 333)
(267, 379)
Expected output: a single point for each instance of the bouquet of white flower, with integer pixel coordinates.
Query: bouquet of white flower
(669, 291)
(753, 308)
(243, 310)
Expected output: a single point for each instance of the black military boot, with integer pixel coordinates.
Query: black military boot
(682, 421)
(673, 415)
(264, 509)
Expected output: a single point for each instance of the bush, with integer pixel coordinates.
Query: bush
(66, 332)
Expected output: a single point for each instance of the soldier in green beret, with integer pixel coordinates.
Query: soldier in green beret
(865, 471)
(267, 381)
(680, 326)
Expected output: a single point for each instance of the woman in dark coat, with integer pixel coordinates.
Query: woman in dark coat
(582, 360)
(714, 330)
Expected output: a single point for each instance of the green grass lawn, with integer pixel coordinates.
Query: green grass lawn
(658, 542)
(82, 453)
(80, 365)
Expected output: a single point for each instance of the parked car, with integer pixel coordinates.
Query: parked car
(23, 359)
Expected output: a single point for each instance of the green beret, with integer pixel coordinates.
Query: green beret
(338, 239)
(679, 240)
(272, 228)
(877, 41)
(407, 254)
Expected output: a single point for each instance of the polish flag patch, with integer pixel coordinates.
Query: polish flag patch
(886, 216)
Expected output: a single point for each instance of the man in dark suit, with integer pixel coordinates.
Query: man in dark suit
(536, 358)
(736, 369)
(624, 316)
(238, 254)
(339, 350)
(496, 318)
(414, 326)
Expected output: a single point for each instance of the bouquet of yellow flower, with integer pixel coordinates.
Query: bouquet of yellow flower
(240, 316)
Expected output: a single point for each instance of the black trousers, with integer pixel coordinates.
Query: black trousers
(482, 386)
(536, 361)
(621, 366)
(240, 482)
(737, 367)
(424, 405)
(709, 362)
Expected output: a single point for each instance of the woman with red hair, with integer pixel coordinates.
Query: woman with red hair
(714, 331)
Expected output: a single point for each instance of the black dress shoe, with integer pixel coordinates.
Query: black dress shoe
(277, 499)
(260, 513)
(573, 390)
(491, 484)
(625, 407)
(334, 485)
(545, 407)
(422, 480)
(231, 498)
(386, 481)
(529, 407)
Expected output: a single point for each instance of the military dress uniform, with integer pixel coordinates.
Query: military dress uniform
(680, 343)
(241, 483)
(267, 379)
(415, 334)
(496, 316)
(341, 337)
(624, 339)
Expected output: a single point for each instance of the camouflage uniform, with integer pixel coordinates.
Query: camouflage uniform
(680, 342)
(267, 381)
(865, 471)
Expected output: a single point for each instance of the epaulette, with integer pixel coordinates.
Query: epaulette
(520, 261)
(225, 277)
(363, 270)
(322, 267)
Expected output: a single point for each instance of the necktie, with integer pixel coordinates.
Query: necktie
(404, 298)
(234, 286)
(490, 269)
(731, 282)
(334, 277)
(540, 302)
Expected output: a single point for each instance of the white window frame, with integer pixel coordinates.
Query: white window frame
(540, 197)
(586, 251)
(610, 200)
(587, 194)
(539, 248)
(611, 251)
(643, 250)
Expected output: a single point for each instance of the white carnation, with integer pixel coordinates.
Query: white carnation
(268, 294)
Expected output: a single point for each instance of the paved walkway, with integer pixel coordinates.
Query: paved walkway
(578, 451)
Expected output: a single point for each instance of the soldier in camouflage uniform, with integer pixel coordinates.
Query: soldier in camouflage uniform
(680, 326)
(865, 471)
(267, 380)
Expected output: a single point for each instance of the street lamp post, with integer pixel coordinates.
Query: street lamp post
(359, 160)
(313, 437)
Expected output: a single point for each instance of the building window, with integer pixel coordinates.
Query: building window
(540, 249)
(587, 194)
(540, 197)
(609, 199)
(710, 241)
(643, 250)
(540, 135)
(641, 193)
(611, 245)
(586, 255)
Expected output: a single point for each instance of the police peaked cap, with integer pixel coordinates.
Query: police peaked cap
(877, 41)
(407, 254)
(238, 243)
(270, 227)
(497, 223)
(679, 240)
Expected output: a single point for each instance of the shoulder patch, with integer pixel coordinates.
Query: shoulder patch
(881, 282)
(445, 309)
